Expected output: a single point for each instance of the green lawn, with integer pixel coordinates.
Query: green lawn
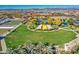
(22, 35)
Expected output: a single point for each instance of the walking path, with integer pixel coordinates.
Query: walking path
(3, 46)
(69, 30)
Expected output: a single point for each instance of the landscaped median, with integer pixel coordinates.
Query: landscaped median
(23, 36)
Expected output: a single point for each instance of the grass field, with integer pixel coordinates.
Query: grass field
(22, 35)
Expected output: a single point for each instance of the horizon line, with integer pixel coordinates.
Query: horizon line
(38, 6)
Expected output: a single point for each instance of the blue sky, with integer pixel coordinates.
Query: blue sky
(36, 6)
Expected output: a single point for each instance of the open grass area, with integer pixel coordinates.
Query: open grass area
(23, 35)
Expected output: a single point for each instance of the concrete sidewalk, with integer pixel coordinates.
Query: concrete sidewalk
(3, 46)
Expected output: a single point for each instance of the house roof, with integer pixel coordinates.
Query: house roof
(76, 22)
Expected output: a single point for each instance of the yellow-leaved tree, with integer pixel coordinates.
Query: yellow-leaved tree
(57, 21)
(49, 20)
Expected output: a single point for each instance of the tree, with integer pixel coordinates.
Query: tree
(70, 21)
(39, 21)
(49, 21)
(57, 22)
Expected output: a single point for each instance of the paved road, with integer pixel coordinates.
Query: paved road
(1, 37)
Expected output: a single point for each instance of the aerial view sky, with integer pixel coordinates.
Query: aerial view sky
(36, 6)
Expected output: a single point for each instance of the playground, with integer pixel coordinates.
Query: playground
(48, 23)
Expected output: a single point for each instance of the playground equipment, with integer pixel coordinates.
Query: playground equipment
(44, 27)
(48, 23)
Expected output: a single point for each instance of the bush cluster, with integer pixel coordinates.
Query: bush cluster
(34, 48)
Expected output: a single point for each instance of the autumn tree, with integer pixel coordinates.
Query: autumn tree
(49, 21)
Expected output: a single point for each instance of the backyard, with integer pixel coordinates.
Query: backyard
(23, 36)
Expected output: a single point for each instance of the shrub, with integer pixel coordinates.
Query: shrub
(34, 48)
